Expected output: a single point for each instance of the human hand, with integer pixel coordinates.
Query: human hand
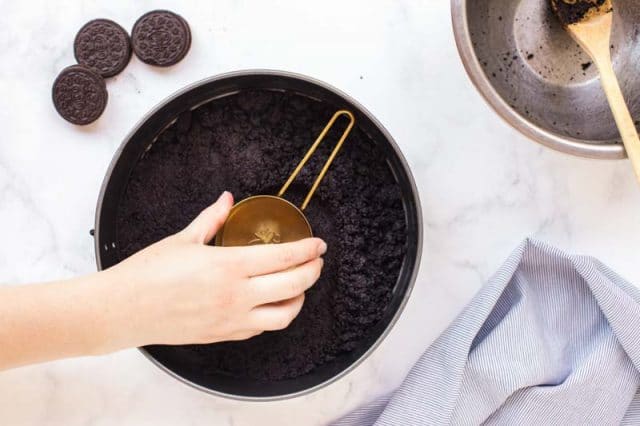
(182, 291)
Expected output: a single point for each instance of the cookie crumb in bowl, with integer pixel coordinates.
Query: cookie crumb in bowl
(573, 11)
(549, 98)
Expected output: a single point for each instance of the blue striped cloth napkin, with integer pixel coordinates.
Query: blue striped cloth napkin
(551, 339)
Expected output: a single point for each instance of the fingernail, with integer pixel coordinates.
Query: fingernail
(223, 195)
(322, 248)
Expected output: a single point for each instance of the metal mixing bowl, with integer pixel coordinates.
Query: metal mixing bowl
(539, 80)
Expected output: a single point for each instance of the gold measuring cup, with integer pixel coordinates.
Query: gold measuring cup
(269, 219)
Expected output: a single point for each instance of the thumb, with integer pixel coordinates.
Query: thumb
(210, 220)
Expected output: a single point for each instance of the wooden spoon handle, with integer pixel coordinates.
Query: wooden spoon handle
(620, 111)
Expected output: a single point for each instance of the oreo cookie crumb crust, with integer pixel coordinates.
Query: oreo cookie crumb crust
(79, 95)
(249, 143)
(103, 46)
(161, 38)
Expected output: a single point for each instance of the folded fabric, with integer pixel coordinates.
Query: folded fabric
(551, 339)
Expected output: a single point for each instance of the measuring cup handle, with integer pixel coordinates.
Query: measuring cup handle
(313, 148)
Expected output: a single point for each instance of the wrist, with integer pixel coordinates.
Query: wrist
(111, 313)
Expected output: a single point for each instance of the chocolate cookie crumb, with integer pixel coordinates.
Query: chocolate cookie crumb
(249, 143)
(103, 46)
(573, 11)
(79, 95)
(161, 38)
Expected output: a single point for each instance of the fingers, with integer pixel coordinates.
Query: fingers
(284, 285)
(270, 258)
(276, 316)
(204, 227)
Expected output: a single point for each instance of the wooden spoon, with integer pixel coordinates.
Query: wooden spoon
(589, 22)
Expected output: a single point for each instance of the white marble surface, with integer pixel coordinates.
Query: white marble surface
(483, 186)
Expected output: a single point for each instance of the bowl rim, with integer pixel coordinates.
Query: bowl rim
(402, 160)
(480, 80)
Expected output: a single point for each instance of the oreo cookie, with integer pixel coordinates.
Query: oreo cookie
(79, 94)
(161, 38)
(103, 46)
